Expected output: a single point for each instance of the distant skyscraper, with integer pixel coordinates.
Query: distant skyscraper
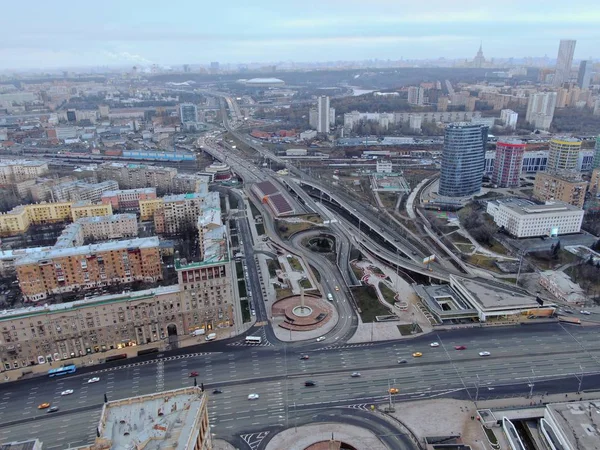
(479, 59)
(416, 95)
(564, 61)
(463, 159)
(563, 154)
(509, 118)
(540, 109)
(323, 114)
(186, 68)
(188, 113)
(507, 166)
(214, 67)
(585, 74)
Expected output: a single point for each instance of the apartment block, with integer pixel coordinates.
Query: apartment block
(116, 226)
(563, 154)
(187, 182)
(128, 198)
(79, 268)
(81, 191)
(181, 211)
(564, 187)
(133, 176)
(15, 171)
(523, 219)
(149, 207)
(212, 235)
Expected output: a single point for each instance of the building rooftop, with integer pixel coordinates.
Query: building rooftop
(280, 204)
(148, 242)
(182, 197)
(21, 162)
(491, 295)
(23, 445)
(562, 281)
(86, 302)
(149, 190)
(525, 207)
(164, 420)
(266, 188)
(579, 423)
(102, 219)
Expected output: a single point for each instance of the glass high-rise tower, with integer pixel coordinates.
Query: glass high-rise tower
(463, 159)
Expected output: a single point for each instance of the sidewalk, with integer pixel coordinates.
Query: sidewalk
(301, 437)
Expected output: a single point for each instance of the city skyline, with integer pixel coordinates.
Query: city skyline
(273, 31)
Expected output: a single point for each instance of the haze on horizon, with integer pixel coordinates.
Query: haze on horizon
(76, 34)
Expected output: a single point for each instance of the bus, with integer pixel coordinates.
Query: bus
(253, 340)
(62, 370)
(116, 357)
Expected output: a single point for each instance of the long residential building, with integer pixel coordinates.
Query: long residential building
(384, 120)
(79, 268)
(522, 218)
(74, 191)
(203, 298)
(567, 187)
(15, 171)
(19, 219)
(128, 198)
(133, 176)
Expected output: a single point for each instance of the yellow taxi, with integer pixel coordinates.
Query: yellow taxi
(393, 390)
(44, 405)
(417, 354)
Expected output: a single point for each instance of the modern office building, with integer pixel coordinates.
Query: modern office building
(188, 114)
(81, 268)
(324, 114)
(463, 159)
(508, 163)
(176, 419)
(585, 74)
(563, 154)
(509, 118)
(540, 109)
(416, 95)
(564, 62)
(523, 219)
(567, 187)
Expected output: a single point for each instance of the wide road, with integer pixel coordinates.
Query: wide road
(550, 356)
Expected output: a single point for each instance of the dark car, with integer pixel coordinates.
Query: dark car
(217, 391)
(53, 409)
(304, 357)
(402, 361)
(310, 383)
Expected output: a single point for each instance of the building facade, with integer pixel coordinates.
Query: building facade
(80, 268)
(509, 118)
(596, 161)
(508, 163)
(524, 219)
(323, 114)
(179, 212)
(133, 176)
(568, 188)
(463, 160)
(540, 109)
(116, 226)
(128, 198)
(15, 171)
(74, 191)
(585, 74)
(564, 62)
(563, 154)
(416, 95)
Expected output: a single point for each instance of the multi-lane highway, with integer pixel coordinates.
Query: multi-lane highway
(551, 356)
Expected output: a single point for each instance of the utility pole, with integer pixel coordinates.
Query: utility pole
(520, 264)
(477, 388)
(580, 380)
(531, 384)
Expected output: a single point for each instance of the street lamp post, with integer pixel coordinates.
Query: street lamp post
(477, 388)
(580, 380)
(531, 384)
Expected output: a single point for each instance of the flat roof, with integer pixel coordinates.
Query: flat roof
(525, 207)
(181, 197)
(578, 422)
(280, 204)
(22, 445)
(86, 302)
(493, 295)
(148, 242)
(113, 218)
(267, 188)
(164, 420)
(148, 190)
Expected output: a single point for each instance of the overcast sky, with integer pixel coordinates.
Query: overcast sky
(61, 33)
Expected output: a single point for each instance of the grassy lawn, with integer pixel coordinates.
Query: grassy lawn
(388, 199)
(316, 273)
(458, 238)
(282, 292)
(369, 305)
(245, 311)
(239, 269)
(388, 294)
(492, 437)
(242, 288)
(286, 229)
(305, 284)
(407, 330)
(357, 271)
(273, 266)
(376, 270)
(465, 248)
(484, 262)
(295, 264)
(497, 247)
(260, 229)
(545, 260)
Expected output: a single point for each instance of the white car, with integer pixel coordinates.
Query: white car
(484, 353)
(434, 344)
(67, 392)
(322, 338)
(587, 313)
(253, 397)
(93, 380)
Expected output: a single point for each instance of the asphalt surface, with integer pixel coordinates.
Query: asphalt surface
(551, 356)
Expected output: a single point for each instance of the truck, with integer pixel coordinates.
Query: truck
(211, 337)
(198, 332)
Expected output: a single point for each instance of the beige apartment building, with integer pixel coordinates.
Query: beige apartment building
(128, 198)
(15, 171)
(61, 270)
(133, 176)
(203, 298)
(567, 187)
(174, 213)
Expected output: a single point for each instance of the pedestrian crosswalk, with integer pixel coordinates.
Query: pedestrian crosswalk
(342, 346)
(264, 343)
(153, 361)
